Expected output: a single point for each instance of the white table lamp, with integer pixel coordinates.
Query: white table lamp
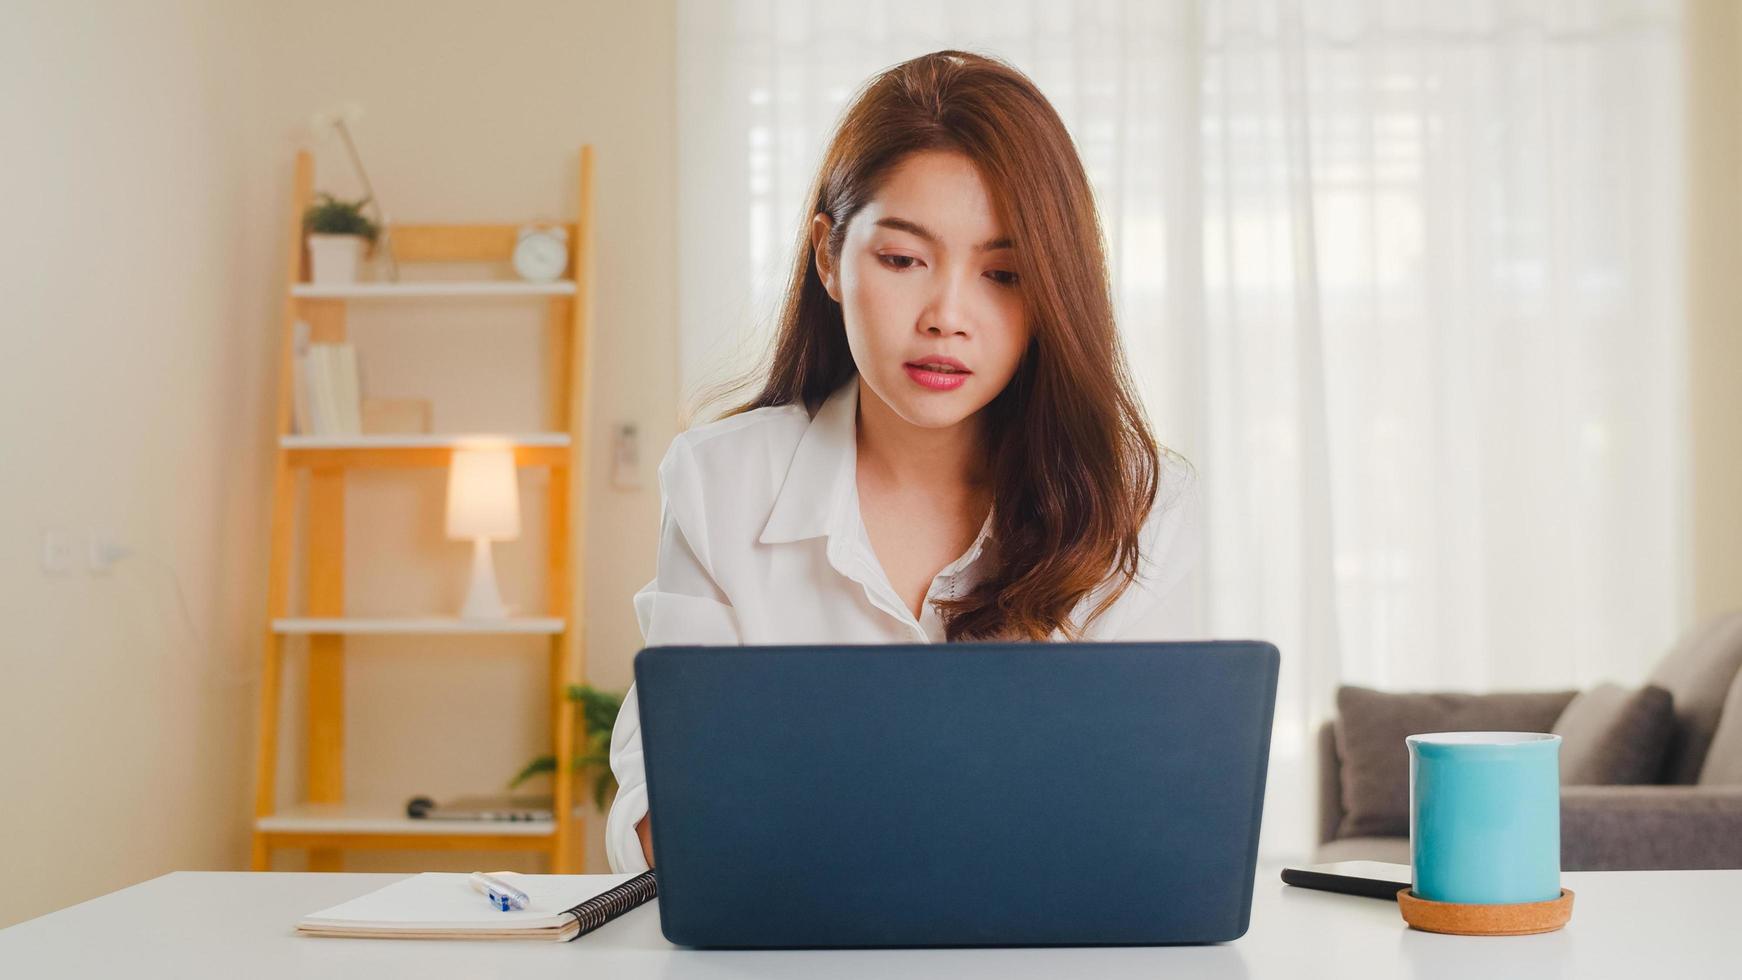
(483, 506)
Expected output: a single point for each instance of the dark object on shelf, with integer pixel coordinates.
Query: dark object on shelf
(497, 807)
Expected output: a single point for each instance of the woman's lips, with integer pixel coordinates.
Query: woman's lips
(937, 380)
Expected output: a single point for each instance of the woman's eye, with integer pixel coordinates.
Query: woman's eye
(892, 260)
(1004, 278)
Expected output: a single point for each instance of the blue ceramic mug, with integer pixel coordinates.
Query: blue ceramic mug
(1485, 817)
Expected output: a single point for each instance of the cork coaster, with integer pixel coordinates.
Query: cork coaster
(1519, 919)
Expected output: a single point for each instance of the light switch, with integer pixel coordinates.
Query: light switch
(59, 551)
(626, 457)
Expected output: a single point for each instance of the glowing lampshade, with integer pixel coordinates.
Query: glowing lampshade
(483, 506)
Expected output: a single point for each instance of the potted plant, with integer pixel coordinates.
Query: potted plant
(593, 756)
(338, 233)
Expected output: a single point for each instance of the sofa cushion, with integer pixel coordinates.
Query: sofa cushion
(1611, 736)
(1698, 674)
(1723, 765)
(1371, 727)
(1639, 828)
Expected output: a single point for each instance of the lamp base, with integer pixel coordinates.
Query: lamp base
(483, 599)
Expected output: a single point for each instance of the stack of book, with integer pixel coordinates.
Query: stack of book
(328, 396)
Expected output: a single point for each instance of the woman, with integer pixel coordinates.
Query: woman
(946, 446)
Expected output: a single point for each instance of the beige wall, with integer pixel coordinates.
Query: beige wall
(148, 156)
(132, 395)
(1715, 301)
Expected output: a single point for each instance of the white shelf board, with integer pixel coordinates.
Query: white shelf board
(417, 625)
(423, 441)
(388, 818)
(432, 289)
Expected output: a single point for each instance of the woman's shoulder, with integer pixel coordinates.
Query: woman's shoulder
(1168, 550)
(728, 445)
(1177, 479)
(723, 476)
(1168, 543)
(1177, 502)
(718, 482)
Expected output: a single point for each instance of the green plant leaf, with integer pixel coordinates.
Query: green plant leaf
(598, 708)
(598, 716)
(330, 216)
(537, 767)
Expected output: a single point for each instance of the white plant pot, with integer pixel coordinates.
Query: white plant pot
(334, 258)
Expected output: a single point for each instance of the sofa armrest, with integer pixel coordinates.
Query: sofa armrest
(1628, 828)
(1330, 783)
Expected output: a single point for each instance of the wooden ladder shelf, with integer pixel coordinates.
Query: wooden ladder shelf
(325, 824)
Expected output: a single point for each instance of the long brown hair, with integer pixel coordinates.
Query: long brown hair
(1074, 466)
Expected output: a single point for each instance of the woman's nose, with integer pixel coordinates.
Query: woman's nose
(945, 315)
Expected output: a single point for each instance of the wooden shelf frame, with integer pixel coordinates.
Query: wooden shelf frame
(548, 449)
(432, 288)
(416, 626)
(422, 441)
(344, 827)
(325, 463)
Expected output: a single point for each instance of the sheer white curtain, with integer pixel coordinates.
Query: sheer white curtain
(1403, 279)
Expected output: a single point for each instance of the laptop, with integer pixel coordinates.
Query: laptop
(979, 794)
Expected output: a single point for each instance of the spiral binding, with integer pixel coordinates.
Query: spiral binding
(607, 905)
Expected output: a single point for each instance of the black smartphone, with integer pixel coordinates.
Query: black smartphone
(1373, 879)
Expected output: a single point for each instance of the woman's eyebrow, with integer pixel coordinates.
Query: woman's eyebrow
(915, 228)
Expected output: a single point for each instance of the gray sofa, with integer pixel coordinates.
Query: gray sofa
(1690, 818)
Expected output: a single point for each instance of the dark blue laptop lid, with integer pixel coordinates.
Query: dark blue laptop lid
(956, 795)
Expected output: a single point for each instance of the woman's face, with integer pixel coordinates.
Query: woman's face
(928, 290)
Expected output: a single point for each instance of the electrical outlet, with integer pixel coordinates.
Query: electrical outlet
(626, 457)
(60, 550)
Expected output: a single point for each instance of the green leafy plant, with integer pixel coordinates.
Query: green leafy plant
(330, 216)
(593, 756)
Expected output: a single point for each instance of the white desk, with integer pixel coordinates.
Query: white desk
(1638, 925)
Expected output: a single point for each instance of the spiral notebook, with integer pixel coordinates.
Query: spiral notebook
(442, 905)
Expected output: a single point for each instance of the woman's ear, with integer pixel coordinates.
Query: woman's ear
(826, 271)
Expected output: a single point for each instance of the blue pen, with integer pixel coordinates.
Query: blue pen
(500, 893)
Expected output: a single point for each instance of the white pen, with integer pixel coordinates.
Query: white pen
(501, 894)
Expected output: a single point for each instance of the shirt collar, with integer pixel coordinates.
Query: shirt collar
(820, 495)
(819, 484)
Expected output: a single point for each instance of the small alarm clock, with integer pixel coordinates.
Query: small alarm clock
(542, 252)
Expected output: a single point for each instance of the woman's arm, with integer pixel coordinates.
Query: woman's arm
(644, 830)
(682, 605)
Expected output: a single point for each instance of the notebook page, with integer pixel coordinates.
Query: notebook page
(445, 901)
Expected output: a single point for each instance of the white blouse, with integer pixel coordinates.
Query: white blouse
(761, 542)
